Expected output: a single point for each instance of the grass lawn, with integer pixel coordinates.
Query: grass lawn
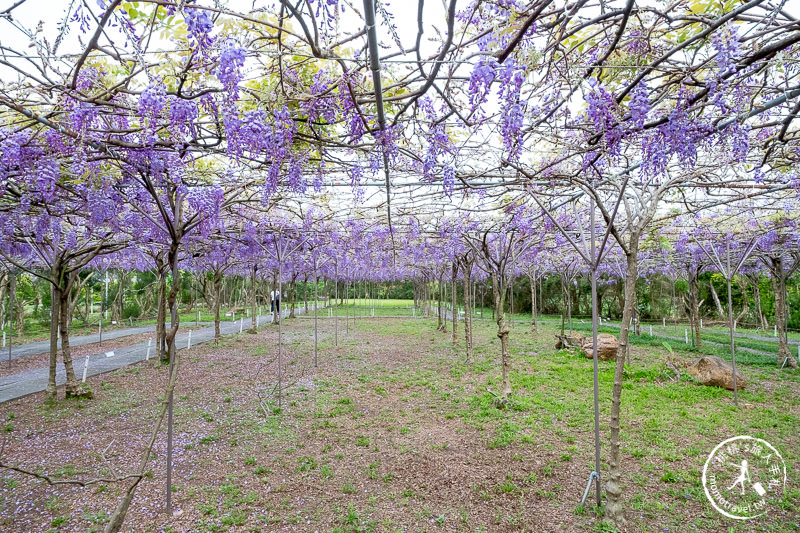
(393, 432)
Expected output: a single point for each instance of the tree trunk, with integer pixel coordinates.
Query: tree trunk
(564, 305)
(762, 320)
(116, 304)
(494, 316)
(86, 302)
(468, 314)
(12, 301)
(121, 296)
(55, 299)
(192, 292)
(217, 302)
(742, 282)
(305, 294)
(694, 305)
(502, 333)
(600, 302)
(172, 297)
(292, 291)
(19, 312)
(454, 298)
(275, 302)
(614, 507)
(73, 388)
(483, 299)
(426, 298)
(441, 325)
(715, 297)
(161, 318)
(253, 307)
(474, 298)
(779, 286)
(2, 300)
(532, 280)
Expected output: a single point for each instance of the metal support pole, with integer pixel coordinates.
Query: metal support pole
(595, 372)
(280, 321)
(733, 343)
(11, 297)
(728, 277)
(336, 301)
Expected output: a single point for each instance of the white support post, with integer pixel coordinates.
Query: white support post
(651, 330)
(149, 342)
(241, 324)
(663, 322)
(775, 331)
(734, 325)
(686, 335)
(189, 341)
(701, 323)
(85, 369)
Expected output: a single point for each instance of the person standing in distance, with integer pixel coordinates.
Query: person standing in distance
(275, 302)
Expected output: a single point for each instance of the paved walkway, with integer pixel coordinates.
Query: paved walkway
(33, 348)
(33, 381)
(757, 337)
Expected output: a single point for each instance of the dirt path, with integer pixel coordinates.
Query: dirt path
(392, 432)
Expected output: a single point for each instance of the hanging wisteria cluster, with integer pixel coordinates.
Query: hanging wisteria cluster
(188, 136)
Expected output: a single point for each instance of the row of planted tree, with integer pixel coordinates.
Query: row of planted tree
(135, 296)
(522, 271)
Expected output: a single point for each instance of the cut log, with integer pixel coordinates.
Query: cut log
(569, 341)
